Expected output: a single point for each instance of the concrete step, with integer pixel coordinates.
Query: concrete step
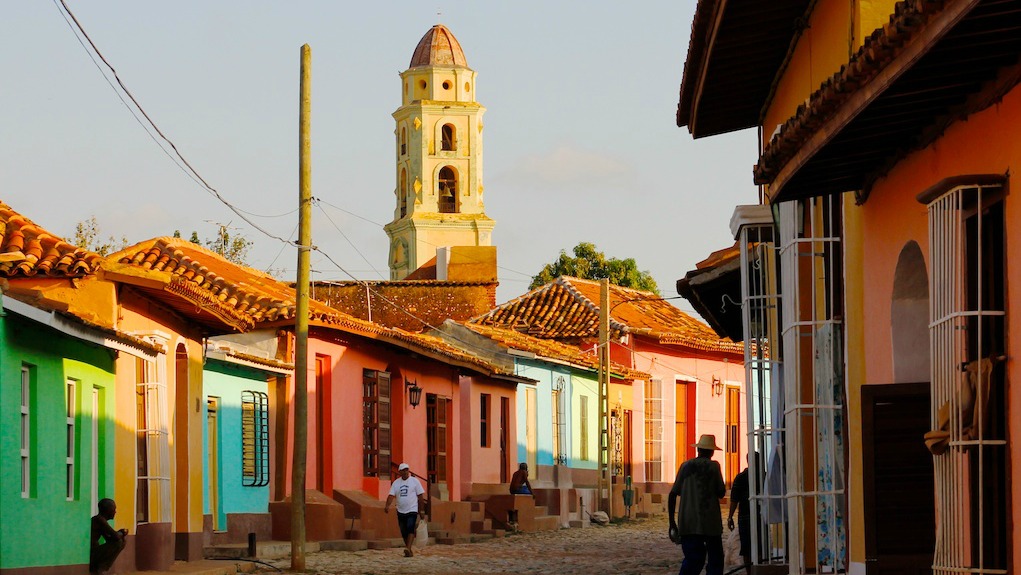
(378, 544)
(363, 534)
(496, 533)
(478, 515)
(480, 537)
(578, 524)
(481, 526)
(263, 549)
(547, 523)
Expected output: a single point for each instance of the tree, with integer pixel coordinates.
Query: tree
(86, 235)
(590, 263)
(233, 248)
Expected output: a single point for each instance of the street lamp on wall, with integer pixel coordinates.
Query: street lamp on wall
(414, 393)
(717, 387)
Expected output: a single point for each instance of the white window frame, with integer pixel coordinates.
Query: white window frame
(950, 319)
(71, 416)
(154, 433)
(654, 429)
(754, 229)
(26, 431)
(811, 256)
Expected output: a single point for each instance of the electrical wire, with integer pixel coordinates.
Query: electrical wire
(343, 235)
(193, 173)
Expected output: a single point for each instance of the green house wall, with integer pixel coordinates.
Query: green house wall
(46, 528)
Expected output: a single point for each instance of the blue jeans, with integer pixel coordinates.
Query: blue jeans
(696, 549)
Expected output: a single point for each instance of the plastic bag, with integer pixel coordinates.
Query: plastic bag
(421, 534)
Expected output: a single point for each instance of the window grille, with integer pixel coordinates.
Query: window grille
(967, 337)
(375, 423)
(559, 452)
(813, 381)
(152, 444)
(760, 309)
(26, 431)
(654, 430)
(583, 423)
(254, 439)
(69, 452)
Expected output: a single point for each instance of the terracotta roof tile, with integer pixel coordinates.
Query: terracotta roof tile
(552, 349)
(568, 308)
(908, 19)
(27, 250)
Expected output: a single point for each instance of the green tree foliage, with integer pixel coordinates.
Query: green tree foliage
(590, 263)
(233, 248)
(87, 234)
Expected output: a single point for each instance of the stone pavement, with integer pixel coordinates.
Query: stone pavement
(638, 547)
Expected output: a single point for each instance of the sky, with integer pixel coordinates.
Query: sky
(580, 141)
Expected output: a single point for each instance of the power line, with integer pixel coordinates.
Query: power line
(343, 235)
(191, 171)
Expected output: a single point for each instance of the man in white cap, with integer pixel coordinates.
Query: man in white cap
(698, 526)
(410, 505)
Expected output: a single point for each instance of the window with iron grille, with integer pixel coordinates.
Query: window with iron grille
(813, 380)
(375, 423)
(583, 421)
(760, 309)
(70, 417)
(254, 439)
(485, 401)
(654, 430)
(152, 441)
(967, 335)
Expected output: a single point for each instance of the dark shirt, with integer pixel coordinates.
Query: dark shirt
(519, 478)
(699, 484)
(101, 528)
(739, 493)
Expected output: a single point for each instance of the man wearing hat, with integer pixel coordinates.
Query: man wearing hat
(698, 526)
(410, 505)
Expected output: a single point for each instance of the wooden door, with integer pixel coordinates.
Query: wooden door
(213, 456)
(628, 438)
(900, 534)
(732, 447)
(436, 437)
(504, 438)
(684, 417)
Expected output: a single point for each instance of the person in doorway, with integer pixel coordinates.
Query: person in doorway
(102, 555)
(739, 495)
(410, 497)
(519, 484)
(698, 524)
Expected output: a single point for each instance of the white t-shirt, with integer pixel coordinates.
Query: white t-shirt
(406, 491)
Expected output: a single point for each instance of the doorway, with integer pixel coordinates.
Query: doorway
(900, 534)
(504, 438)
(213, 459)
(732, 453)
(684, 417)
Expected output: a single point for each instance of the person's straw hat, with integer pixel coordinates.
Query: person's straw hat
(708, 441)
(403, 466)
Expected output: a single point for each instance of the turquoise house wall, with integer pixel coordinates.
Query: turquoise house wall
(545, 374)
(226, 381)
(584, 388)
(61, 536)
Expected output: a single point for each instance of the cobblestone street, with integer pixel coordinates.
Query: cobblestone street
(639, 547)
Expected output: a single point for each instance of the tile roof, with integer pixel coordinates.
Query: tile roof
(240, 295)
(28, 250)
(568, 308)
(552, 349)
(411, 305)
(934, 64)
(246, 296)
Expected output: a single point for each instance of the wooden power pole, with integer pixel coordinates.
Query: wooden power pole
(604, 481)
(301, 314)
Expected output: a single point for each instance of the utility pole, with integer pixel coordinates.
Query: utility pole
(604, 389)
(301, 314)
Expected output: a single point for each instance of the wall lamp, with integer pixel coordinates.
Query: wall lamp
(717, 387)
(414, 393)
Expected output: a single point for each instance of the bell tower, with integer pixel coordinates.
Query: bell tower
(439, 157)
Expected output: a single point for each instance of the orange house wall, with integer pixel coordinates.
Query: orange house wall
(984, 143)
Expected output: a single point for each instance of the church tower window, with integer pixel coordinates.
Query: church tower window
(448, 138)
(404, 141)
(448, 191)
(403, 193)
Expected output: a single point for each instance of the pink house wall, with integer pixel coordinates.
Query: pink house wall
(482, 464)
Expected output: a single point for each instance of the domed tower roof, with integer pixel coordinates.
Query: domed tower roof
(438, 48)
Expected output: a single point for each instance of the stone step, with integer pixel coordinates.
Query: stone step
(364, 534)
(496, 533)
(378, 544)
(478, 515)
(481, 526)
(578, 523)
(480, 537)
(263, 550)
(344, 545)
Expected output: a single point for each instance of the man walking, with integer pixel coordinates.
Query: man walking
(698, 526)
(410, 505)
